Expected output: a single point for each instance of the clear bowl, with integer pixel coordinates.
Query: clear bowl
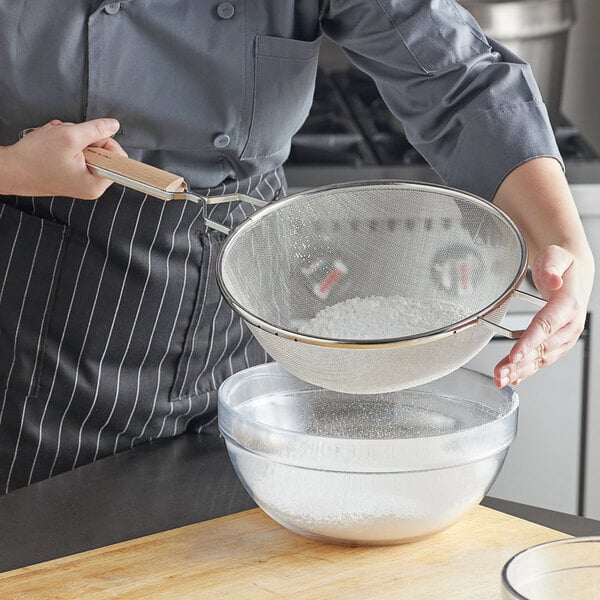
(366, 469)
(566, 569)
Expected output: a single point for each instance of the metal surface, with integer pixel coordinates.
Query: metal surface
(347, 100)
(472, 280)
(513, 334)
(129, 181)
(535, 30)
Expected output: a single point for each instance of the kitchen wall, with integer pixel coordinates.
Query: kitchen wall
(581, 92)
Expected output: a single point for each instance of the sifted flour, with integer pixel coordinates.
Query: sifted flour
(379, 317)
(365, 507)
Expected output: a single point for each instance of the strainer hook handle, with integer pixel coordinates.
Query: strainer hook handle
(513, 334)
(155, 182)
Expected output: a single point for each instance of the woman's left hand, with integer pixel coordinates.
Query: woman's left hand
(557, 326)
(537, 197)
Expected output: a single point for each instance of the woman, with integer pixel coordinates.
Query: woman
(112, 330)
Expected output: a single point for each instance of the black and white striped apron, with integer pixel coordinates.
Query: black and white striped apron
(112, 328)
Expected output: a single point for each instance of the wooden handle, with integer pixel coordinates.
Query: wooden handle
(134, 170)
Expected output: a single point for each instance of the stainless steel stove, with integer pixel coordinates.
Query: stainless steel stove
(350, 135)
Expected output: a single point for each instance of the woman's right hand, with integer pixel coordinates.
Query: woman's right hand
(49, 160)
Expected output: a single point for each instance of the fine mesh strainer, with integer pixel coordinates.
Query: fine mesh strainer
(452, 259)
(435, 247)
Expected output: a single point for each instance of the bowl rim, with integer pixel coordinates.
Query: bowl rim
(566, 541)
(412, 444)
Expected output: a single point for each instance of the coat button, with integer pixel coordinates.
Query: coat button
(225, 10)
(113, 8)
(222, 140)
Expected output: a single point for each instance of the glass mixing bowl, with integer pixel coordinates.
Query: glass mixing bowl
(366, 469)
(566, 569)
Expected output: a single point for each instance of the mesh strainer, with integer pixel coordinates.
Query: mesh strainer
(452, 260)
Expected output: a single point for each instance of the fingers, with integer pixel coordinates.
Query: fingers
(525, 359)
(509, 372)
(112, 145)
(552, 332)
(555, 329)
(81, 135)
(102, 183)
(536, 360)
(565, 305)
(96, 132)
(49, 161)
(548, 321)
(76, 133)
(78, 136)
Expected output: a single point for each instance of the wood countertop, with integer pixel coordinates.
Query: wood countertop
(248, 555)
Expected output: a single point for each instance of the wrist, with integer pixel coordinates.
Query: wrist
(9, 175)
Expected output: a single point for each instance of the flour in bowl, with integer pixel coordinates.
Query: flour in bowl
(379, 317)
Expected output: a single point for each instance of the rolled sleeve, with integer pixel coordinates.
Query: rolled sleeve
(470, 106)
(495, 142)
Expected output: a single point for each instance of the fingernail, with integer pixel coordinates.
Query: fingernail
(504, 372)
(503, 381)
(113, 125)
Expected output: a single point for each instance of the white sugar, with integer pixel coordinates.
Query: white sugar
(378, 317)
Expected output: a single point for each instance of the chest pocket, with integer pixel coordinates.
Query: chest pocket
(31, 251)
(171, 72)
(284, 83)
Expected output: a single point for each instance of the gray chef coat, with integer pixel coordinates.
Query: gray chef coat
(215, 90)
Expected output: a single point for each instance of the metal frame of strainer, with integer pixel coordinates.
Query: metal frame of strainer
(412, 340)
(156, 182)
(167, 186)
(150, 180)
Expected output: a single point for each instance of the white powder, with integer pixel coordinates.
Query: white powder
(379, 317)
(365, 508)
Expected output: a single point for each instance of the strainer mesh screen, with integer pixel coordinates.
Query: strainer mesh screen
(445, 255)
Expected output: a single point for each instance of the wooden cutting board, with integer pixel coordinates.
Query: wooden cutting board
(247, 555)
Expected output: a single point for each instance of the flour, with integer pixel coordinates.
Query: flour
(365, 508)
(379, 317)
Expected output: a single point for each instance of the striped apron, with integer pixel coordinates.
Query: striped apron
(112, 329)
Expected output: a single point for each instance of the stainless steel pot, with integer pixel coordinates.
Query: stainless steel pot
(535, 30)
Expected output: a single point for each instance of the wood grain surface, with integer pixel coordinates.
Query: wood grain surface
(137, 171)
(247, 555)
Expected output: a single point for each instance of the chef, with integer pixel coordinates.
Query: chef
(112, 329)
